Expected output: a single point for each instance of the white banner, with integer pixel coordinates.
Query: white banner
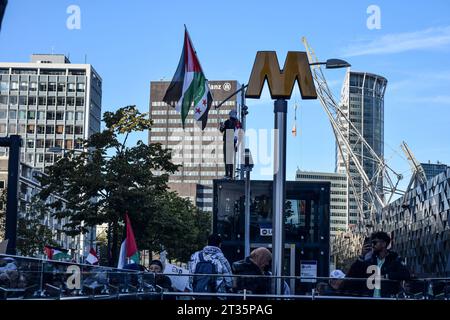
(178, 282)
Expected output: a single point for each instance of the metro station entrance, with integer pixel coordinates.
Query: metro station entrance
(306, 231)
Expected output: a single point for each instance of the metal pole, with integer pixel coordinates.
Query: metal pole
(242, 147)
(279, 191)
(247, 212)
(14, 143)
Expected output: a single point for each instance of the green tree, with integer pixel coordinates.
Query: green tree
(32, 234)
(101, 185)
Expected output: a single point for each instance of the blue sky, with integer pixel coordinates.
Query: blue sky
(132, 43)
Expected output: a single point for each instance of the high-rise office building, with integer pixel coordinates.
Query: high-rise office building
(50, 102)
(433, 169)
(363, 103)
(199, 152)
(338, 196)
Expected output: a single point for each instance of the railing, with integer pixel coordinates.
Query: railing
(31, 278)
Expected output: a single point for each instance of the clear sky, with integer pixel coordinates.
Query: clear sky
(131, 43)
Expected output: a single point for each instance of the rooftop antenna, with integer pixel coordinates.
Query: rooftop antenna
(85, 58)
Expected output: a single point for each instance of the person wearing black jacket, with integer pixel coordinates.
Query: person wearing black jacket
(228, 129)
(392, 270)
(258, 263)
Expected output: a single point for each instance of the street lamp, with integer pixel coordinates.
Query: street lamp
(333, 64)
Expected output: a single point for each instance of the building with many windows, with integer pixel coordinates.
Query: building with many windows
(338, 196)
(433, 169)
(363, 104)
(50, 102)
(200, 153)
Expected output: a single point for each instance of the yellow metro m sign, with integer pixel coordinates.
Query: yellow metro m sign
(281, 82)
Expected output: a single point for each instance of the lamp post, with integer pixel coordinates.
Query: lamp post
(248, 166)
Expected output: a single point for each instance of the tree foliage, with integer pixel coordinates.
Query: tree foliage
(32, 233)
(101, 185)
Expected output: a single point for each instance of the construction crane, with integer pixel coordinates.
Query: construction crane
(418, 173)
(374, 192)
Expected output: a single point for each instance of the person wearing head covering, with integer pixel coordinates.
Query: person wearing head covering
(162, 280)
(257, 263)
(230, 141)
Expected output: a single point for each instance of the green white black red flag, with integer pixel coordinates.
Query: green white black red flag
(189, 86)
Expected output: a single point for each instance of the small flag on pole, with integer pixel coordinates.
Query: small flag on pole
(128, 249)
(92, 257)
(57, 253)
(189, 87)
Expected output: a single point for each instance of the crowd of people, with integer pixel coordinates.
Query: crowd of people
(378, 272)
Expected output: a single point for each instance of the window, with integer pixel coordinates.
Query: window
(31, 115)
(40, 143)
(50, 129)
(41, 115)
(71, 101)
(30, 143)
(42, 101)
(52, 86)
(50, 115)
(69, 129)
(61, 87)
(51, 101)
(3, 99)
(49, 143)
(80, 87)
(61, 101)
(12, 128)
(30, 128)
(22, 128)
(29, 158)
(23, 100)
(69, 144)
(23, 86)
(49, 158)
(59, 129)
(78, 130)
(59, 115)
(4, 85)
(22, 115)
(59, 143)
(80, 102)
(71, 87)
(2, 128)
(42, 86)
(77, 72)
(33, 86)
(69, 115)
(14, 85)
(40, 157)
(32, 101)
(3, 114)
(40, 129)
(79, 115)
(13, 100)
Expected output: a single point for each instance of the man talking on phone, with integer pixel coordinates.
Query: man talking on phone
(375, 255)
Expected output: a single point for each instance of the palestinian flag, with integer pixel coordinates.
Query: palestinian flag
(92, 257)
(57, 253)
(3, 4)
(128, 249)
(189, 87)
